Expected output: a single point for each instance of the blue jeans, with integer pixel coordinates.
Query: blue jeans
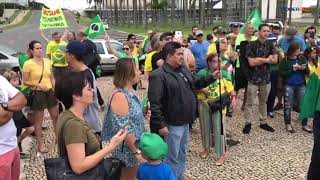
(177, 141)
(314, 173)
(273, 91)
(292, 94)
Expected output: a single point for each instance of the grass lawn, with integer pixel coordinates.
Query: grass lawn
(186, 29)
(24, 20)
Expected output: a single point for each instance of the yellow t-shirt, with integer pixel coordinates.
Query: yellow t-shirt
(213, 49)
(57, 56)
(35, 70)
(147, 62)
(136, 51)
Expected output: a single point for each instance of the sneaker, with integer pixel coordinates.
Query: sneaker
(266, 127)
(270, 114)
(290, 129)
(278, 106)
(247, 128)
(307, 129)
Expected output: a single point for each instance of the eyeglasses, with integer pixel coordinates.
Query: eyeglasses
(126, 49)
(133, 38)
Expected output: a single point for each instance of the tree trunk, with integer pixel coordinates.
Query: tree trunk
(135, 13)
(268, 9)
(316, 18)
(201, 8)
(116, 15)
(185, 10)
(145, 19)
(224, 11)
(172, 14)
(206, 16)
(290, 13)
(194, 15)
(120, 13)
(128, 13)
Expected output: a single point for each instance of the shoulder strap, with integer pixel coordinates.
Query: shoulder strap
(41, 71)
(62, 147)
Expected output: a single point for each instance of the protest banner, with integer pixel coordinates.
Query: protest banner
(52, 18)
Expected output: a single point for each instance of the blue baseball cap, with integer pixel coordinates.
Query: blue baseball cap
(74, 47)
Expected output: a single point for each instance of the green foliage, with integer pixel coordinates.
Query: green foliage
(1, 10)
(158, 4)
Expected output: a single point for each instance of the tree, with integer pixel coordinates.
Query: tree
(316, 18)
(290, 13)
(201, 13)
(128, 13)
(173, 5)
(268, 9)
(145, 18)
(121, 14)
(224, 10)
(185, 10)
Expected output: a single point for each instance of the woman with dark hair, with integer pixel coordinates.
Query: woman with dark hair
(37, 74)
(75, 51)
(312, 58)
(82, 147)
(124, 110)
(293, 70)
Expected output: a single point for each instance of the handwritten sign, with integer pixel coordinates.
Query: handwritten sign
(52, 18)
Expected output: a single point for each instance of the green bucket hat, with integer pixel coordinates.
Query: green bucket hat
(153, 146)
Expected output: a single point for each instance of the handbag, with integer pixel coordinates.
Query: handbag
(31, 93)
(59, 168)
(216, 104)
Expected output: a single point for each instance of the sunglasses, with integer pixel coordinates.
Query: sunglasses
(126, 49)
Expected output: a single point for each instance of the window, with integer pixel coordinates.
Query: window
(116, 46)
(100, 49)
(3, 56)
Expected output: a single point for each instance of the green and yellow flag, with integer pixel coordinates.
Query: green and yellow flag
(311, 99)
(52, 18)
(254, 19)
(95, 28)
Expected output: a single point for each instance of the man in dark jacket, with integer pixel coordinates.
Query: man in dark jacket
(173, 104)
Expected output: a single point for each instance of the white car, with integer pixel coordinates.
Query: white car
(106, 26)
(8, 59)
(108, 60)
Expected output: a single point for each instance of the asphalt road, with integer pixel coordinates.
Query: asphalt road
(18, 38)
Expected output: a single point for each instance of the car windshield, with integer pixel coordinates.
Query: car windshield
(100, 49)
(8, 50)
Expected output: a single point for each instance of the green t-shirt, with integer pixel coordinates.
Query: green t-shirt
(77, 131)
(124, 55)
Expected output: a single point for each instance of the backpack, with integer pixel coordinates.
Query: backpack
(244, 63)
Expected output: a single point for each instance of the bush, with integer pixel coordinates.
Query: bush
(1, 11)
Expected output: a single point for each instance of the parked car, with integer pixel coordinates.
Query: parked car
(8, 59)
(108, 60)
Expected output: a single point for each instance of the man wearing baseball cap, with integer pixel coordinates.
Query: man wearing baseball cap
(290, 38)
(75, 52)
(199, 50)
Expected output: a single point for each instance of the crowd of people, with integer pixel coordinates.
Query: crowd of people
(189, 77)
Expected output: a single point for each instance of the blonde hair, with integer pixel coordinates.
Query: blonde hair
(10, 74)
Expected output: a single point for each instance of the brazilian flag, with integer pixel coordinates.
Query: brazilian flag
(311, 100)
(254, 19)
(96, 28)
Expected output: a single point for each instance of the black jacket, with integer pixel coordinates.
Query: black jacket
(172, 96)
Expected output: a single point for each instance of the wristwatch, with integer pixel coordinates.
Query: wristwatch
(4, 106)
(137, 152)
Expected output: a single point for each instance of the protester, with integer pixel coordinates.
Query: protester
(146, 44)
(193, 37)
(57, 57)
(11, 100)
(235, 29)
(127, 48)
(210, 121)
(199, 50)
(241, 71)
(125, 111)
(210, 38)
(158, 58)
(310, 108)
(260, 54)
(91, 59)
(290, 38)
(311, 55)
(79, 142)
(75, 51)
(20, 120)
(293, 70)
(136, 49)
(70, 36)
(37, 74)
(173, 104)
(274, 78)
(188, 58)
(155, 45)
(310, 36)
(154, 149)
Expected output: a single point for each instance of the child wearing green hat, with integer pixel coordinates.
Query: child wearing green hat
(154, 149)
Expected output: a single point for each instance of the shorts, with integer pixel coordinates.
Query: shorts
(10, 165)
(43, 100)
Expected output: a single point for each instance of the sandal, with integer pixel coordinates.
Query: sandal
(222, 158)
(204, 154)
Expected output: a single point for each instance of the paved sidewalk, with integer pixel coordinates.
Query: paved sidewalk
(259, 156)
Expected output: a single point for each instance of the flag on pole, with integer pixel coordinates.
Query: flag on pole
(95, 28)
(254, 19)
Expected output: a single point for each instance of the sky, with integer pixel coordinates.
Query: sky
(69, 4)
